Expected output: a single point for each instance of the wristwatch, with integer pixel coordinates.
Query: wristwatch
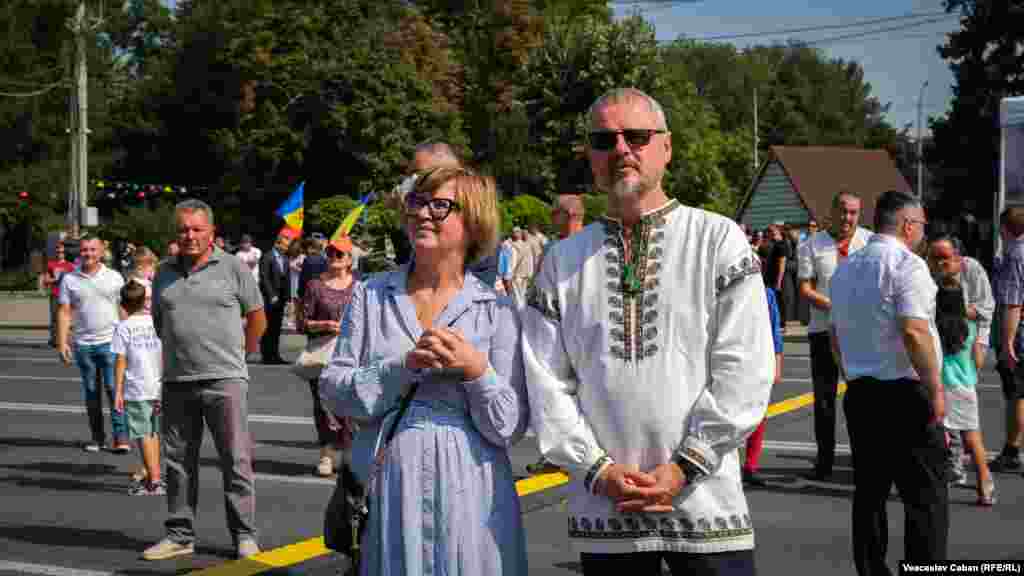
(692, 472)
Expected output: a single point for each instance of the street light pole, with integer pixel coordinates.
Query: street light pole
(920, 143)
(755, 133)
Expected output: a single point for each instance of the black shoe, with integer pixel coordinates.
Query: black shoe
(818, 475)
(276, 362)
(753, 479)
(1005, 463)
(542, 466)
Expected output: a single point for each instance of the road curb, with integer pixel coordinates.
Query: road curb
(23, 326)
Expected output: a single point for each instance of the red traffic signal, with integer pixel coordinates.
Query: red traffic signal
(23, 195)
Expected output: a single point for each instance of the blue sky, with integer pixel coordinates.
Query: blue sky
(895, 63)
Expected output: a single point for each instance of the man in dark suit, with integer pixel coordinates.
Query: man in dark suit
(276, 289)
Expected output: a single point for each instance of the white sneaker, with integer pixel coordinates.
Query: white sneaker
(326, 466)
(247, 547)
(165, 549)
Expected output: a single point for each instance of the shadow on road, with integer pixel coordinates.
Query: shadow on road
(50, 535)
(271, 467)
(69, 468)
(303, 444)
(39, 443)
(65, 484)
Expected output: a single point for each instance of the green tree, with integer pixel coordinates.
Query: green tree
(577, 62)
(524, 211)
(984, 55)
(273, 93)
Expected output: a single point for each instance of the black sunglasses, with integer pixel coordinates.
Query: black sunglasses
(635, 137)
(336, 254)
(437, 208)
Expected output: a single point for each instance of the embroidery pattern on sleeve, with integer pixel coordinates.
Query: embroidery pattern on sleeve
(749, 265)
(546, 304)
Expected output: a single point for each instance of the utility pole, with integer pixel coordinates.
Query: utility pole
(755, 132)
(79, 126)
(920, 143)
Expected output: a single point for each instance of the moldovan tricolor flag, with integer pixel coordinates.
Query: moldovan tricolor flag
(291, 210)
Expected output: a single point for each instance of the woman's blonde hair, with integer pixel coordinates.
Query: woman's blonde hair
(477, 197)
(144, 257)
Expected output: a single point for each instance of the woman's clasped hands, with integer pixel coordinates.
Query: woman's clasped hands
(447, 349)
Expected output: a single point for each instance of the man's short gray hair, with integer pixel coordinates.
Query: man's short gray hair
(888, 206)
(194, 205)
(623, 94)
(438, 149)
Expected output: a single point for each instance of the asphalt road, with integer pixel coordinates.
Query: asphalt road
(64, 512)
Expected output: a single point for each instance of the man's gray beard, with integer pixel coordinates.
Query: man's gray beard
(624, 191)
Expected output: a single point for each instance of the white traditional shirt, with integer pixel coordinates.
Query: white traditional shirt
(673, 357)
(817, 258)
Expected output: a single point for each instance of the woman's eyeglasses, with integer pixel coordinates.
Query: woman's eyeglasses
(336, 254)
(437, 208)
(635, 137)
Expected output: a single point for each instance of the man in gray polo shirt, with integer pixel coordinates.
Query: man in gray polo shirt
(199, 299)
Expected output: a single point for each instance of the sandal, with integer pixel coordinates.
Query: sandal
(987, 493)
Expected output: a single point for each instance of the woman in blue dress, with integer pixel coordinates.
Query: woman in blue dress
(443, 497)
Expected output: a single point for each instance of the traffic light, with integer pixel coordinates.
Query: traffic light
(23, 198)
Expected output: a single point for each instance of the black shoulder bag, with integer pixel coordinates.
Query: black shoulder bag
(348, 510)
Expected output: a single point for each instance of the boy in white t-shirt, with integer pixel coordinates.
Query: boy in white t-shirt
(137, 374)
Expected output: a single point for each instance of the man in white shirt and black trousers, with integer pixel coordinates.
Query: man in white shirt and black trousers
(885, 341)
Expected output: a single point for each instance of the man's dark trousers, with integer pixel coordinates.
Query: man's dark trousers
(825, 378)
(894, 440)
(270, 342)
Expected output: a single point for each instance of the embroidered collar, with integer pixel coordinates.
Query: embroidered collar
(648, 217)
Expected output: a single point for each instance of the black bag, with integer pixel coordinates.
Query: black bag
(346, 515)
(348, 509)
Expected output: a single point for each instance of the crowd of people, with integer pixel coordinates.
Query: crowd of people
(640, 350)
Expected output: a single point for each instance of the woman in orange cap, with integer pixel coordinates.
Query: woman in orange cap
(324, 304)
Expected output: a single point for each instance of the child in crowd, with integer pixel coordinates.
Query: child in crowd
(143, 273)
(755, 442)
(137, 377)
(959, 377)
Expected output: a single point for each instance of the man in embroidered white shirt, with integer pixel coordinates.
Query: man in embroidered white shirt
(649, 361)
(816, 262)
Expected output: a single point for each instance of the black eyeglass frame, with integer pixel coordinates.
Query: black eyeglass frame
(438, 209)
(604, 140)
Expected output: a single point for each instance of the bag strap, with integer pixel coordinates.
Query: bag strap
(403, 405)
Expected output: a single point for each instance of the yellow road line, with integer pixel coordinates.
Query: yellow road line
(540, 482)
(264, 561)
(314, 547)
(797, 402)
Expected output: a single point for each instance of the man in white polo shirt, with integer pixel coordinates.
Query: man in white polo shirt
(884, 337)
(90, 294)
(816, 261)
